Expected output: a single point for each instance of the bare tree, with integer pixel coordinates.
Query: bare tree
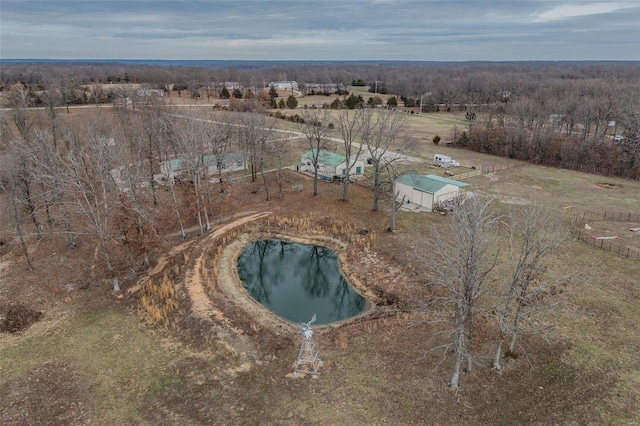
(221, 132)
(461, 263)
(129, 176)
(350, 126)
(87, 183)
(192, 142)
(162, 137)
(279, 147)
(154, 125)
(380, 130)
(52, 98)
(24, 122)
(256, 133)
(315, 130)
(392, 173)
(9, 169)
(536, 234)
(44, 152)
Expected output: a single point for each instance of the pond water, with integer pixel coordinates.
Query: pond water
(296, 281)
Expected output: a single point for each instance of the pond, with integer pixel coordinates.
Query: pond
(296, 281)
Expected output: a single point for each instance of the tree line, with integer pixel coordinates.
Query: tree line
(98, 178)
(579, 115)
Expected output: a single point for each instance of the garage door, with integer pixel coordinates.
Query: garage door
(422, 198)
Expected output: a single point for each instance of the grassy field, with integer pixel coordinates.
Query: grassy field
(93, 360)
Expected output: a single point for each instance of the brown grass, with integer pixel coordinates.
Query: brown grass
(91, 360)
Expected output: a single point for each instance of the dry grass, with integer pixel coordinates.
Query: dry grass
(113, 361)
(159, 299)
(97, 363)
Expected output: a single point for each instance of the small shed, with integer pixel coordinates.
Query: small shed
(428, 191)
(330, 165)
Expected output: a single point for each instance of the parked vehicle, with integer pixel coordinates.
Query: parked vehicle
(444, 161)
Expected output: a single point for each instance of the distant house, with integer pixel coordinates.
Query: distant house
(330, 165)
(428, 191)
(230, 85)
(323, 87)
(284, 85)
(555, 118)
(150, 93)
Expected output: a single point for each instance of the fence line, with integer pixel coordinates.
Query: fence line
(608, 216)
(488, 169)
(580, 219)
(384, 186)
(494, 168)
(467, 175)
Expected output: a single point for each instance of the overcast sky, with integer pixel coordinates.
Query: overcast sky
(420, 30)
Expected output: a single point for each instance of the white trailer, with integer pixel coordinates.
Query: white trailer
(444, 161)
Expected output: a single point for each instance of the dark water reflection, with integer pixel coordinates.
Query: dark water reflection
(296, 281)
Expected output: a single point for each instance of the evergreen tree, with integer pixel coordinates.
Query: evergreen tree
(292, 102)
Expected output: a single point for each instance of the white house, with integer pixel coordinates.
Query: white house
(330, 165)
(230, 85)
(321, 87)
(284, 85)
(149, 93)
(428, 191)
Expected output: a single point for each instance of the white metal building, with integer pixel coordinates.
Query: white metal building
(428, 191)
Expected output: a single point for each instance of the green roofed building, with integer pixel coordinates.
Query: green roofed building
(330, 165)
(428, 191)
(230, 161)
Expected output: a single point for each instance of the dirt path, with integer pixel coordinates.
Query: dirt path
(201, 305)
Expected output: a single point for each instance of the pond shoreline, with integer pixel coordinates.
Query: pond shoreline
(231, 285)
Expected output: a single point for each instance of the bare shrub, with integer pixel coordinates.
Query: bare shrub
(18, 317)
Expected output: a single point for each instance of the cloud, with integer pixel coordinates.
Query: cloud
(320, 30)
(573, 10)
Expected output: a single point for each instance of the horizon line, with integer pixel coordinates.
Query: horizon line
(307, 60)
